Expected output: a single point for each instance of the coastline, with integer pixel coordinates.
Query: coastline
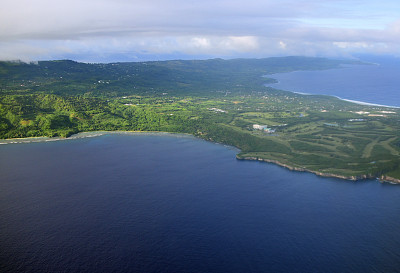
(391, 180)
(365, 103)
(48, 139)
(80, 135)
(382, 178)
(348, 100)
(331, 95)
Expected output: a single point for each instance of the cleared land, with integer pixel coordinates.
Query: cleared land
(214, 100)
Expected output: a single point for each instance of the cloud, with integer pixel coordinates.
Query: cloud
(218, 45)
(45, 29)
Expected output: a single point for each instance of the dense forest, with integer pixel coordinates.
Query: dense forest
(218, 100)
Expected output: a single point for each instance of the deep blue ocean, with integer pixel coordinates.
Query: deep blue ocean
(170, 203)
(378, 83)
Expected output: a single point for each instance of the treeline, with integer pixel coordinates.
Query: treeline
(177, 77)
(52, 115)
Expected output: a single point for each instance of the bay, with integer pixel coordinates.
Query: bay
(377, 83)
(172, 203)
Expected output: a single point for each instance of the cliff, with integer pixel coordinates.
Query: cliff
(389, 179)
(382, 178)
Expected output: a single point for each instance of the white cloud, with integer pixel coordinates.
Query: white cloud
(57, 28)
(200, 43)
(350, 45)
(240, 43)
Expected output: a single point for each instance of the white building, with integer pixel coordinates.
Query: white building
(263, 128)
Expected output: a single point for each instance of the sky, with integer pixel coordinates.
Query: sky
(140, 30)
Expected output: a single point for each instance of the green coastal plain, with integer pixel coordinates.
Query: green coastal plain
(224, 101)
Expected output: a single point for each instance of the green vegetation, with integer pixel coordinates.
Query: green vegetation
(215, 99)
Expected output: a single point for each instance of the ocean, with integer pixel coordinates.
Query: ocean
(172, 203)
(377, 83)
(126, 202)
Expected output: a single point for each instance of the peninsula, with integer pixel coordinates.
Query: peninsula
(218, 100)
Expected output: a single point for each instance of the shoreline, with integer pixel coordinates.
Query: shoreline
(348, 100)
(365, 103)
(382, 178)
(86, 134)
(308, 94)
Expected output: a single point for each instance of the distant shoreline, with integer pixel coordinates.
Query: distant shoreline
(348, 100)
(309, 94)
(366, 103)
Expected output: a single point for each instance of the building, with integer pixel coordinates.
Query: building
(263, 128)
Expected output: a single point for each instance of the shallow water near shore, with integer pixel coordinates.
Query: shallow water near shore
(162, 203)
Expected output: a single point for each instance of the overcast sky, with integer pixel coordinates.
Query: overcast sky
(130, 30)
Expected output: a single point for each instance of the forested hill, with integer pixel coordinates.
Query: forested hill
(218, 100)
(179, 77)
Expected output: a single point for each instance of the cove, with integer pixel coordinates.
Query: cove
(172, 203)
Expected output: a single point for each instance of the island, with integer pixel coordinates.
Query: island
(224, 101)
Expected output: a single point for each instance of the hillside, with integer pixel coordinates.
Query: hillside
(218, 100)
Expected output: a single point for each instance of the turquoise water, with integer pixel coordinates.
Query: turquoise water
(377, 84)
(162, 203)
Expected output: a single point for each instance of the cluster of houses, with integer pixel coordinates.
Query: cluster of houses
(263, 128)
